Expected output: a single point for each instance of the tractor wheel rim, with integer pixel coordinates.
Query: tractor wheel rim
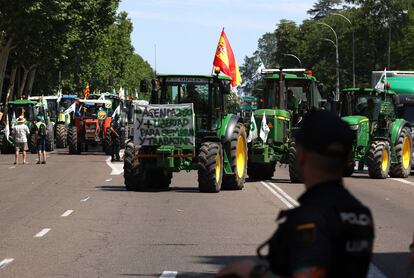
(385, 158)
(406, 153)
(240, 156)
(218, 167)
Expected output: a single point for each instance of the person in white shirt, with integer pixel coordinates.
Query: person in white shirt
(20, 133)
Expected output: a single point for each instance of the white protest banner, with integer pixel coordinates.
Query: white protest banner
(164, 124)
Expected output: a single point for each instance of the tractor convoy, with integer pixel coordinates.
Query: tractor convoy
(192, 123)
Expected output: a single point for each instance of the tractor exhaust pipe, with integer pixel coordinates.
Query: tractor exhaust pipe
(282, 90)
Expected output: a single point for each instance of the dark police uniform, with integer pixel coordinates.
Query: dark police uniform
(331, 229)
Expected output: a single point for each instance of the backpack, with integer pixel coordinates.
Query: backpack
(42, 130)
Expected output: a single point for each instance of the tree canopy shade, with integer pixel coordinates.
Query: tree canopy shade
(371, 21)
(48, 43)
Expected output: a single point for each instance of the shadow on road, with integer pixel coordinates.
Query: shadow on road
(153, 189)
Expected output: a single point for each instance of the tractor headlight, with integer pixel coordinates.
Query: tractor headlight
(354, 127)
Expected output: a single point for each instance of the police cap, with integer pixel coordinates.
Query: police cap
(326, 134)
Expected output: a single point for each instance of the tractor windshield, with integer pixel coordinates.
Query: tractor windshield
(203, 92)
(305, 94)
(66, 102)
(22, 110)
(361, 105)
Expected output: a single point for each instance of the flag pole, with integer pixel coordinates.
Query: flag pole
(213, 69)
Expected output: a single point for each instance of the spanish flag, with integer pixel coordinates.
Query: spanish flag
(86, 91)
(225, 61)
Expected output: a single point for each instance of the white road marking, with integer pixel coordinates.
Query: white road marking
(84, 200)
(117, 169)
(42, 232)
(168, 274)
(108, 180)
(5, 262)
(67, 213)
(403, 181)
(281, 198)
(12, 167)
(292, 201)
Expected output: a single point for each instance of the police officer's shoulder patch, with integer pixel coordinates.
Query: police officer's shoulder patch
(305, 234)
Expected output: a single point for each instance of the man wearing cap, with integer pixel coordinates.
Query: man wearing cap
(20, 133)
(41, 132)
(331, 233)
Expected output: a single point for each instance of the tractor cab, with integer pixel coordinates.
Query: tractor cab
(368, 105)
(206, 93)
(25, 108)
(298, 93)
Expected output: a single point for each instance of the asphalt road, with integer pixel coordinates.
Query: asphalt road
(73, 218)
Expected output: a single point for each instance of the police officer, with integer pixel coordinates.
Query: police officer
(116, 138)
(331, 233)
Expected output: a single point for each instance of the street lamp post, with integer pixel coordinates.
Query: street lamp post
(337, 57)
(353, 45)
(294, 56)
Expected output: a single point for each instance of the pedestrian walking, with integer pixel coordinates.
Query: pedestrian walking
(331, 233)
(20, 134)
(116, 138)
(41, 134)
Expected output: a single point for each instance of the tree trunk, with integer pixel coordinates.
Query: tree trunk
(23, 82)
(11, 83)
(4, 56)
(30, 81)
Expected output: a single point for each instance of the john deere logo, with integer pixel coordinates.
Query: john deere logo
(101, 115)
(108, 104)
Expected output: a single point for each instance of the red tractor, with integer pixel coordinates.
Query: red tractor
(89, 126)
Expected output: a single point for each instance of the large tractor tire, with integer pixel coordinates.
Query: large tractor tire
(61, 136)
(210, 167)
(293, 171)
(50, 139)
(378, 160)
(259, 171)
(237, 150)
(6, 147)
(134, 176)
(31, 143)
(403, 150)
(107, 143)
(73, 142)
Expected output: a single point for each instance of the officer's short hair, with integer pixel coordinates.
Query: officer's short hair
(327, 135)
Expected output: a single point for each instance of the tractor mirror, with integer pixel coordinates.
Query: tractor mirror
(143, 86)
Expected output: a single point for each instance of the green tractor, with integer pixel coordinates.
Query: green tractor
(383, 142)
(63, 120)
(287, 95)
(402, 83)
(187, 127)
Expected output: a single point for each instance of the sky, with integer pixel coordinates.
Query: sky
(185, 33)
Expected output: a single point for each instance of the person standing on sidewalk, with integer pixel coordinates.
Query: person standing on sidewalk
(41, 134)
(331, 233)
(20, 133)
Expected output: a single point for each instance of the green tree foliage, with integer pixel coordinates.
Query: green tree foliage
(322, 8)
(79, 41)
(371, 21)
